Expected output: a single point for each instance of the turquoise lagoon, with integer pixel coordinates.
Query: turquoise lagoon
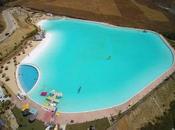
(94, 65)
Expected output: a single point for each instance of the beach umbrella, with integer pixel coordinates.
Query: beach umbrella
(25, 106)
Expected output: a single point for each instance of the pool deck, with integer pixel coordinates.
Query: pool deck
(65, 118)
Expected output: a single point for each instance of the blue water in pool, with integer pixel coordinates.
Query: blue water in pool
(28, 76)
(96, 66)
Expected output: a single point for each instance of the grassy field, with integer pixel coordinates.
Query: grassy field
(24, 124)
(17, 37)
(165, 122)
(2, 24)
(101, 124)
(119, 12)
(150, 13)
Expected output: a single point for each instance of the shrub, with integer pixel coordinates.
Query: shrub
(7, 103)
(7, 79)
(6, 68)
(8, 62)
(169, 35)
(15, 47)
(3, 75)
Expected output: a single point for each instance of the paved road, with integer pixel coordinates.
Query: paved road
(11, 24)
(171, 10)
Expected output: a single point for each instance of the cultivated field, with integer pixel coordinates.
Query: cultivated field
(131, 13)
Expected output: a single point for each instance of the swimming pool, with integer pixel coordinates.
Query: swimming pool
(28, 76)
(94, 65)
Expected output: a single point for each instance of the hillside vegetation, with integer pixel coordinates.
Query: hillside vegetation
(132, 13)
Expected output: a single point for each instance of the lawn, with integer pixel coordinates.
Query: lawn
(163, 122)
(23, 122)
(100, 124)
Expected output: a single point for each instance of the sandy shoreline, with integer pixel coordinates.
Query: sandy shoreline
(34, 48)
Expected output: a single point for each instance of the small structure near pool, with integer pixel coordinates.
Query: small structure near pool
(33, 115)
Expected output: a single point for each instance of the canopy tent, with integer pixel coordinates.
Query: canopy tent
(25, 106)
(33, 111)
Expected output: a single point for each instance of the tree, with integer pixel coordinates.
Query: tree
(2, 2)
(7, 79)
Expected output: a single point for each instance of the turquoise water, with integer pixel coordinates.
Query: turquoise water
(96, 66)
(28, 76)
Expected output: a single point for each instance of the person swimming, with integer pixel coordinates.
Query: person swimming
(79, 89)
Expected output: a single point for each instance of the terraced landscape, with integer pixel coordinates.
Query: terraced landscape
(131, 13)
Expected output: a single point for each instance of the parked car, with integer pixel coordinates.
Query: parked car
(26, 112)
